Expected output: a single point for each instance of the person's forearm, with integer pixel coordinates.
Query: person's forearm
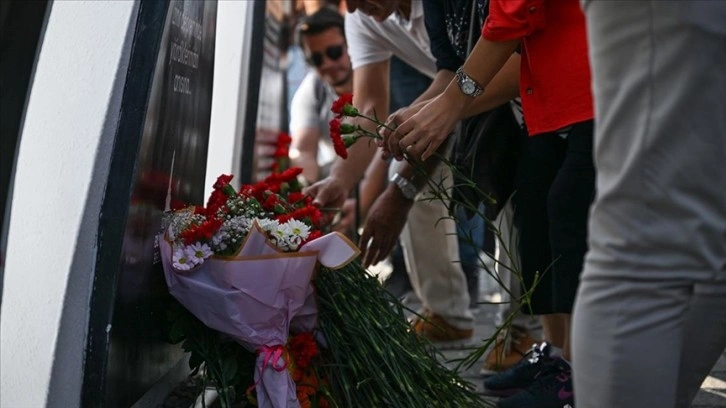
(418, 173)
(370, 97)
(309, 164)
(485, 61)
(373, 184)
(351, 170)
(503, 88)
(438, 85)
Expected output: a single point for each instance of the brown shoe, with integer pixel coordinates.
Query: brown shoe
(436, 329)
(508, 350)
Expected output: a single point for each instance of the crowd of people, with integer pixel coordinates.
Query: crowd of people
(613, 192)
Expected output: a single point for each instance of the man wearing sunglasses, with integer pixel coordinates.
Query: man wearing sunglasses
(322, 37)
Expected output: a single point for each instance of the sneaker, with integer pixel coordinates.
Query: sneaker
(508, 350)
(552, 389)
(436, 329)
(522, 374)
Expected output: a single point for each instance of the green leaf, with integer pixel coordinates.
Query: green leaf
(229, 368)
(177, 332)
(195, 361)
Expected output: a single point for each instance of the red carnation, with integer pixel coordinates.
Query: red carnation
(315, 234)
(294, 197)
(283, 139)
(202, 232)
(290, 174)
(303, 348)
(222, 181)
(339, 104)
(338, 143)
(281, 151)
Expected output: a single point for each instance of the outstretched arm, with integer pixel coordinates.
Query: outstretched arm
(370, 96)
(422, 134)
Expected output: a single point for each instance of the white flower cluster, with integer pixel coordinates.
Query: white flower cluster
(290, 235)
(287, 236)
(231, 233)
(243, 207)
(188, 256)
(182, 220)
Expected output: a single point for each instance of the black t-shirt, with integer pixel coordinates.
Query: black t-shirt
(447, 24)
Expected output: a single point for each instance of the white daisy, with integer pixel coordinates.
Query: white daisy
(268, 224)
(180, 260)
(297, 232)
(198, 252)
(280, 238)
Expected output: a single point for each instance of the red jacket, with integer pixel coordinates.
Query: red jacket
(555, 73)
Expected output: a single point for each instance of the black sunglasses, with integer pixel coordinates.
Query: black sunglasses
(334, 52)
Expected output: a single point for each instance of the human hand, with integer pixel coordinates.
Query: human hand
(347, 217)
(383, 225)
(422, 134)
(395, 119)
(328, 194)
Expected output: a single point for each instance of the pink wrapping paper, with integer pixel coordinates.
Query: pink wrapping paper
(254, 296)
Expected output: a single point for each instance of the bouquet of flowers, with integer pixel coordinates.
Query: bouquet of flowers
(317, 329)
(243, 266)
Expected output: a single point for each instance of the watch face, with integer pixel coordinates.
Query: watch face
(468, 87)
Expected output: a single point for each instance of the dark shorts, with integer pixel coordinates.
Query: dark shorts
(555, 185)
(568, 207)
(540, 158)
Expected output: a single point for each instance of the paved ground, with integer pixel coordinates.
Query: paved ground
(711, 395)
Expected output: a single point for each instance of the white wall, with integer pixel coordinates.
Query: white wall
(62, 167)
(231, 62)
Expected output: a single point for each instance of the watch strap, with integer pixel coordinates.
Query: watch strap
(467, 84)
(407, 188)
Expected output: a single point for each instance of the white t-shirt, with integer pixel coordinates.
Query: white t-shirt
(310, 108)
(370, 41)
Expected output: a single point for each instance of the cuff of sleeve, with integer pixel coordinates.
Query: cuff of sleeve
(514, 20)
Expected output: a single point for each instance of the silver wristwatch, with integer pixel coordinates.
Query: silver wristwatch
(468, 86)
(407, 188)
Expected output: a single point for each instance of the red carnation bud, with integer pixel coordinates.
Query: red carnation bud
(350, 111)
(346, 128)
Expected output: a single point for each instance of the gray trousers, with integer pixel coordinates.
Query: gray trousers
(650, 316)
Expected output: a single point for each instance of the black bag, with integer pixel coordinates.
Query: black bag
(486, 150)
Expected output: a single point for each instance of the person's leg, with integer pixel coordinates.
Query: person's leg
(431, 251)
(398, 283)
(541, 158)
(704, 338)
(407, 84)
(649, 291)
(519, 331)
(470, 232)
(651, 319)
(568, 206)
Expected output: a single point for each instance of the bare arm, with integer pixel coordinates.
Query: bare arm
(370, 96)
(305, 141)
(424, 132)
(503, 88)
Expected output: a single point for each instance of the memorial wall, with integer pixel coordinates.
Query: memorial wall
(170, 170)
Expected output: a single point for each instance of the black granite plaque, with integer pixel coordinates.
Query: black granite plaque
(132, 353)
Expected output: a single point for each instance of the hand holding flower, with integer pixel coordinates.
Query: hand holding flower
(422, 134)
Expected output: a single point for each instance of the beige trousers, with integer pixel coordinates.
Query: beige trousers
(431, 251)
